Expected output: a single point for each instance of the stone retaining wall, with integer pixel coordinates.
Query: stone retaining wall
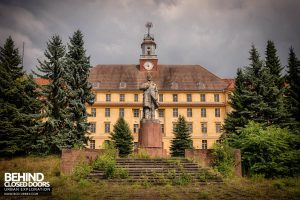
(71, 157)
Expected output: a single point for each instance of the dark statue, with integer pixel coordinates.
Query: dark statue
(150, 98)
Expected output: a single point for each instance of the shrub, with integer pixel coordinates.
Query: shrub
(107, 162)
(223, 159)
(268, 151)
(81, 170)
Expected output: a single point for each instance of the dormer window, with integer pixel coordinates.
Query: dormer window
(95, 84)
(123, 85)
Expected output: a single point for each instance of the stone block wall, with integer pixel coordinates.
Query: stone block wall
(71, 157)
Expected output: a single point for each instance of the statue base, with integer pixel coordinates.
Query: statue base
(150, 138)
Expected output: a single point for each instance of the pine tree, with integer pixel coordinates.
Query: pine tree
(256, 97)
(293, 88)
(182, 138)
(122, 137)
(273, 64)
(80, 89)
(238, 100)
(57, 129)
(19, 104)
(255, 76)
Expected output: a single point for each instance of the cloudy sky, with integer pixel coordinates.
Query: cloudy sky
(216, 34)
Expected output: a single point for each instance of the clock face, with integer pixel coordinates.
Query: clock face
(148, 65)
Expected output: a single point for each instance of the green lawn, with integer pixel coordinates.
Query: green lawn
(67, 188)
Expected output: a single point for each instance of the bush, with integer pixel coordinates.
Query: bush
(268, 151)
(107, 162)
(223, 160)
(81, 170)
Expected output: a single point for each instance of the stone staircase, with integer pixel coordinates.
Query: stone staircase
(160, 171)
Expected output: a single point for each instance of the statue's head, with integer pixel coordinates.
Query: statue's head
(149, 77)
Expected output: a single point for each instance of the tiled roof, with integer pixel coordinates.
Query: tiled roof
(41, 81)
(168, 77)
(231, 83)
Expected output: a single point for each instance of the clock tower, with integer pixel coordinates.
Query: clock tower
(148, 59)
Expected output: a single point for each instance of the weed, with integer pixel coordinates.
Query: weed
(140, 154)
(121, 173)
(278, 184)
(84, 183)
(183, 179)
(81, 170)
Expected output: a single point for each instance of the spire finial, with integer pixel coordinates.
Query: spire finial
(148, 26)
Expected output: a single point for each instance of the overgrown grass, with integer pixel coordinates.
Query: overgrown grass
(140, 154)
(65, 187)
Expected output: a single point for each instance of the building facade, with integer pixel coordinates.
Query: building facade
(188, 90)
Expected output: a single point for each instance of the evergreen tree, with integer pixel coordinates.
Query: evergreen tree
(19, 104)
(293, 88)
(273, 64)
(238, 101)
(182, 138)
(57, 129)
(122, 137)
(256, 97)
(80, 89)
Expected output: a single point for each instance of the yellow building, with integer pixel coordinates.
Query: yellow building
(188, 90)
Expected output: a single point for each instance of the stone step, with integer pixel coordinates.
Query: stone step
(157, 170)
(152, 161)
(156, 166)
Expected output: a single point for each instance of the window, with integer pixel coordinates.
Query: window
(93, 112)
(108, 97)
(107, 127)
(202, 97)
(161, 113)
(216, 97)
(189, 97)
(136, 97)
(92, 144)
(121, 112)
(174, 126)
(218, 127)
(217, 112)
(190, 127)
(162, 128)
(204, 144)
(136, 113)
(93, 127)
(107, 112)
(175, 98)
(135, 128)
(122, 97)
(175, 112)
(161, 97)
(204, 127)
(203, 112)
(189, 112)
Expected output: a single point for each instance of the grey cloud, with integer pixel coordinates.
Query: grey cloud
(216, 34)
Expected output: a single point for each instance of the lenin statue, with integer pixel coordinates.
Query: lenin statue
(150, 102)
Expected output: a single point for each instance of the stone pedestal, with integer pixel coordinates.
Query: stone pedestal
(150, 138)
